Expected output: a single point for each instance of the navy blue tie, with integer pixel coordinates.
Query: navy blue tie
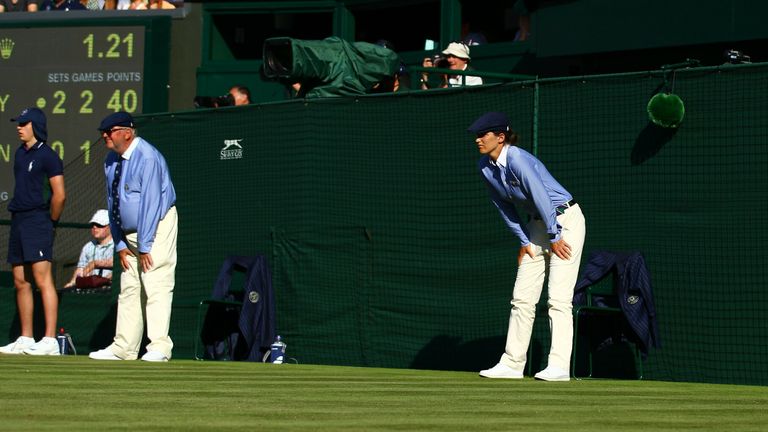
(116, 191)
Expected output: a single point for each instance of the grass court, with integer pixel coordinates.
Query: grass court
(76, 393)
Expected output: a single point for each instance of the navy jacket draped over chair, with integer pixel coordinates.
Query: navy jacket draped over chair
(256, 322)
(633, 290)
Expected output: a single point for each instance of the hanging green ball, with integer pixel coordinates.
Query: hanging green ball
(666, 110)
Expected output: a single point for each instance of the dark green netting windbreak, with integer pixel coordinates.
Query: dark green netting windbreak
(386, 251)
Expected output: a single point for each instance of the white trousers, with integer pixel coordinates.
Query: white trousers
(528, 287)
(151, 291)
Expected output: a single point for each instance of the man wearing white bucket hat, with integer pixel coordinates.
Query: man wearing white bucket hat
(456, 58)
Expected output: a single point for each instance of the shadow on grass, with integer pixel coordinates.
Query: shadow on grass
(445, 352)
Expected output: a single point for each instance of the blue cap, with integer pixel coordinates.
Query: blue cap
(120, 118)
(490, 122)
(37, 118)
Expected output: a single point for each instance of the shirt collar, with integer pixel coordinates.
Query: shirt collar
(131, 148)
(463, 69)
(34, 146)
(110, 243)
(502, 159)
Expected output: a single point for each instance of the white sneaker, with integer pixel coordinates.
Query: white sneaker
(45, 346)
(553, 373)
(154, 356)
(502, 371)
(18, 346)
(103, 354)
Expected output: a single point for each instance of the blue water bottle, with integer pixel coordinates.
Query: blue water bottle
(63, 343)
(277, 351)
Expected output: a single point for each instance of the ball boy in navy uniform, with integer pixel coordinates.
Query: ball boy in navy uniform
(37, 204)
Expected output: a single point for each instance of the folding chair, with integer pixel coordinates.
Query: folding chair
(226, 307)
(614, 316)
(237, 322)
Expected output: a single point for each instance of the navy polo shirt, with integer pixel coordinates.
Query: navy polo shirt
(32, 168)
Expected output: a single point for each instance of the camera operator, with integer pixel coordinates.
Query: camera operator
(455, 57)
(398, 81)
(241, 95)
(238, 95)
(214, 101)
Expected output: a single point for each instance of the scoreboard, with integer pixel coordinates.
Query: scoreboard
(76, 75)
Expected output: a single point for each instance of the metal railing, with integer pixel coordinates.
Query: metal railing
(417, 71)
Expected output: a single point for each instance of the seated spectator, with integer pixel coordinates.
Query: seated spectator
(474, 38)
(97, 255)
(241, 95)
(161, 4)
(18, 6)
(398, 81)
(104, 4)
(523, 9)
(456, 58)
(151, 4)
(61, 5)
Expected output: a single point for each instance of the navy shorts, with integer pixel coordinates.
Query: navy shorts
(31, 238)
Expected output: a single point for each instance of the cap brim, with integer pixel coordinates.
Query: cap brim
(455, 54)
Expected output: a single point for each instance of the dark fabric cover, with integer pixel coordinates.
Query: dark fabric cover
(329, 67)
(632, 288)
(251, 330)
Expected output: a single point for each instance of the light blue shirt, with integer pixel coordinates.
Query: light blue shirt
(93, 251)
(517, 180)
(146, 193)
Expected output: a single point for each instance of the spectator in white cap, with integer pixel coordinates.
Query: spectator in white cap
(96, 257)
(456, 58)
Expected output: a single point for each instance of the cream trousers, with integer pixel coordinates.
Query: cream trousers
(528, 287)
(150, 292)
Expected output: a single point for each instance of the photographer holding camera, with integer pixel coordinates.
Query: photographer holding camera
(214, 101)
(238, 95)
(455, 57)
(241, 95)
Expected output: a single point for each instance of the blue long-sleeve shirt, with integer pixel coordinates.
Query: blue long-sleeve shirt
(517, 180)
(146, 193)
